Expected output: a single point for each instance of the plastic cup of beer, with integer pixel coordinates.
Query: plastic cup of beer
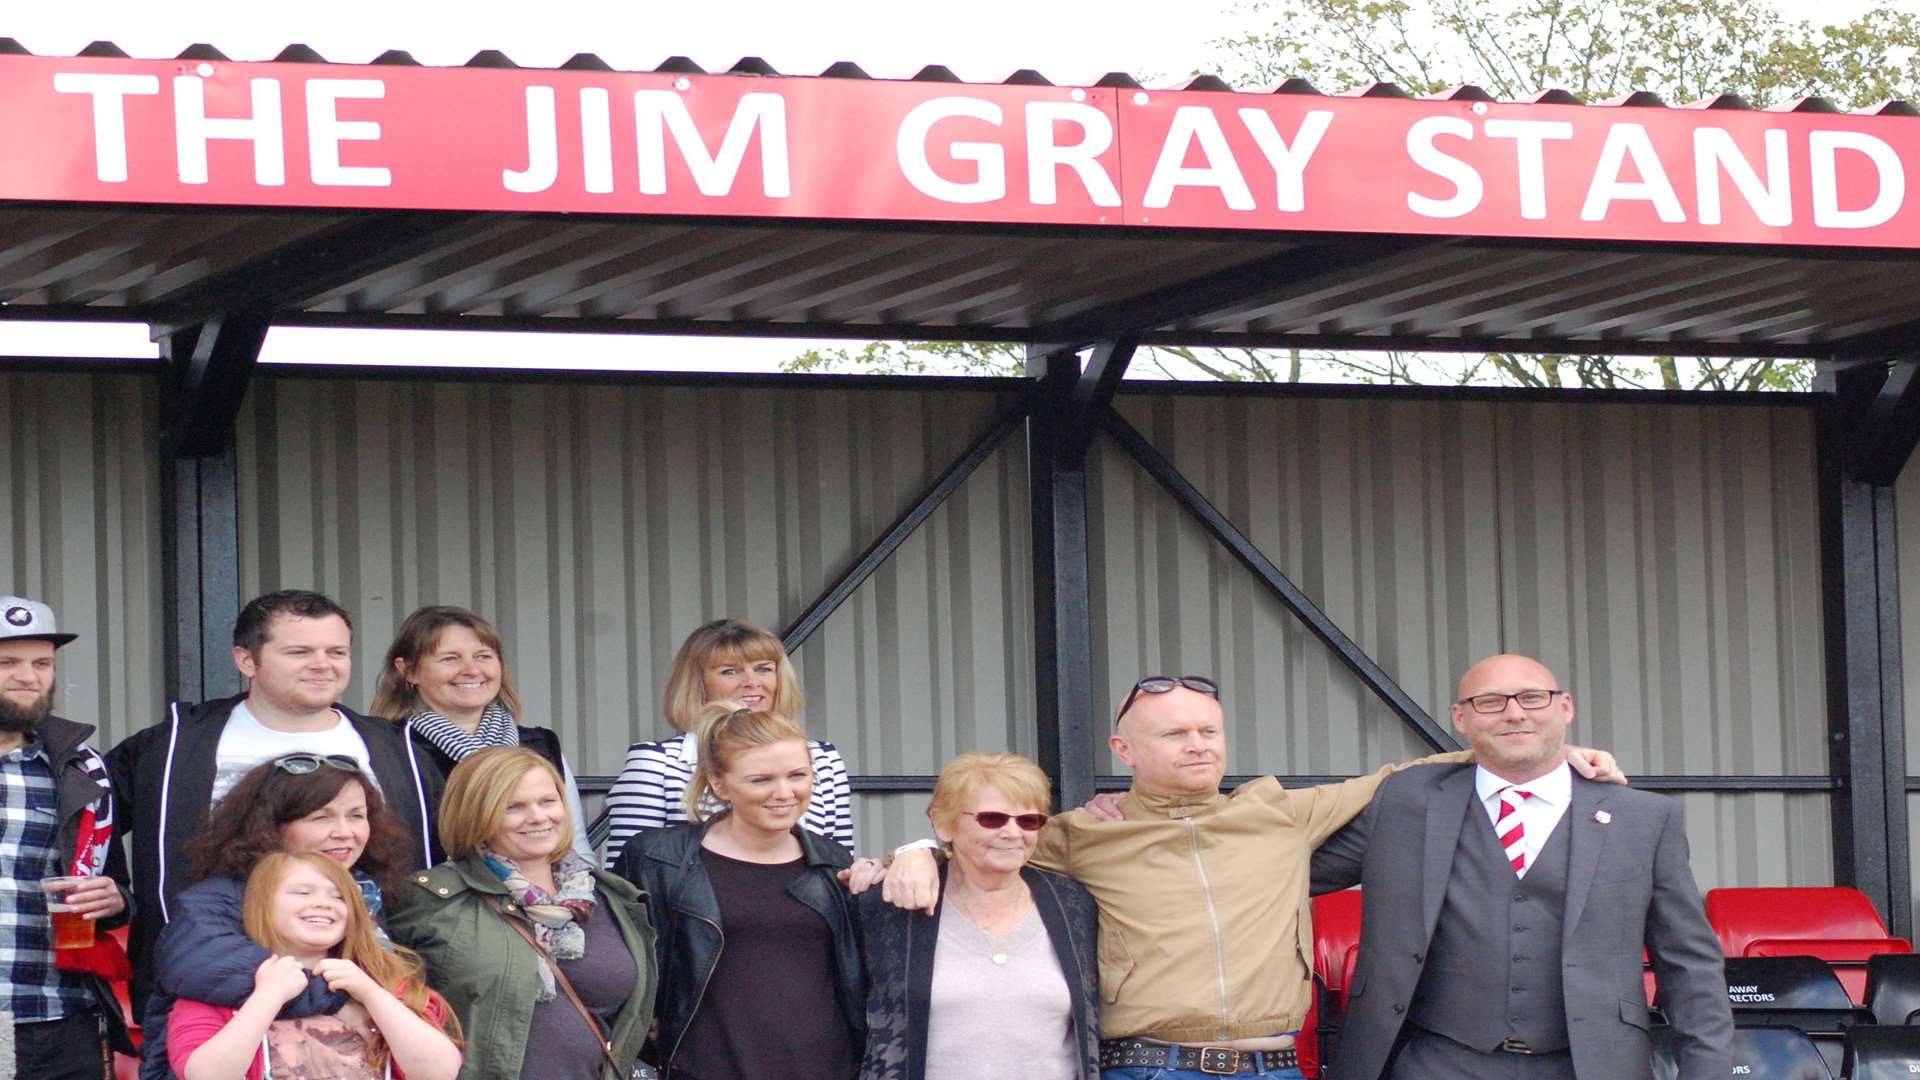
(71, 930)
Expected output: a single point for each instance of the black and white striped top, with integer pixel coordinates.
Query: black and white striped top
(652, 788)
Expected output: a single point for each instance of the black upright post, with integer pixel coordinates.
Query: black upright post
(1062, 619)
(1866, 724)
(210, 365)
(200, 548)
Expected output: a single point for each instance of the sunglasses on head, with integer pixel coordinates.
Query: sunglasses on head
(302, 764)
(996, 819)
(1161, 684)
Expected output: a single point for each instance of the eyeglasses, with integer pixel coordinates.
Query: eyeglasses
(302, 764)
(1161, 684)
(995, 819)
(1493, 703)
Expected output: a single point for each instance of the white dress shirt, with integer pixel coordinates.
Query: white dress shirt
(1547, 799)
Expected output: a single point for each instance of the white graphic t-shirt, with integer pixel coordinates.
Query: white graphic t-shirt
(246, 742)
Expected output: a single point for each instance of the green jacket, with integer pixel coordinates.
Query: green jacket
(489, 973)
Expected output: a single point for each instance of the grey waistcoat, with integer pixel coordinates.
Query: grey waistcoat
(1493, 969)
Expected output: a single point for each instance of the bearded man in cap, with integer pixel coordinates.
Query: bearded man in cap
(56, 821)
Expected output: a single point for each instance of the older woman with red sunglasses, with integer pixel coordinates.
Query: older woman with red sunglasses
(1002, 979)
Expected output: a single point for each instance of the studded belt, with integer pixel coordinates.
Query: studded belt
(1212, 1060)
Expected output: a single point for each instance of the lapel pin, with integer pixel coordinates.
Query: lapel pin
(1602, 817)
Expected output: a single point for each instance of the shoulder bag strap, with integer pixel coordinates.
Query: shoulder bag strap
(560, 979)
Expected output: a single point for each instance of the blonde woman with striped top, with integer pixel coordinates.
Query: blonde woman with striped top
(726, 660)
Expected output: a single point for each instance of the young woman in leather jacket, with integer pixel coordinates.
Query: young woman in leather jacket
(755, 933)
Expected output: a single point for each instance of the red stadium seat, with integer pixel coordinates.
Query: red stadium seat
(1741, 916)
(1336, 945)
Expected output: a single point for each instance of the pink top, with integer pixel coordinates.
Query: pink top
(312, 1046)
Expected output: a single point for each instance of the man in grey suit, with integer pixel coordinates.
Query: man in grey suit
(1505, 906)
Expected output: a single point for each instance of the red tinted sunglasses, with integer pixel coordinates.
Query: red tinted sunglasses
(995, 819)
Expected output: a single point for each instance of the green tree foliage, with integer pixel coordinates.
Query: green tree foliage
(1683, 50)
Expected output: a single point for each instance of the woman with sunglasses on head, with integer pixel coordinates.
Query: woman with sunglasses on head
(546, 958)
(307, 910)
(756, 935)
(726, 660)
(445, 680)
(1003, 979)
(311, 803)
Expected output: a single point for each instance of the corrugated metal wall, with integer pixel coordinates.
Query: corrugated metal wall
(80, 529)
(598, 525)
(1663, 559)
(1906, 498)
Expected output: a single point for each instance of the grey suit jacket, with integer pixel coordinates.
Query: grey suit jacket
(1628, 885)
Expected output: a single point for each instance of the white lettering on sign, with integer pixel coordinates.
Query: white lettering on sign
(1825, 146)
(1467, 187)
(1530, 157)
(989, 180)
(1191, 124)
(1630, 141)
(193, 129)
(326, 131)
(1045, 156)
(658, 111)
(596, 140)
(1714, 153)
(543, 147)
(1749, 994)
(1289, 161)
(109, 93)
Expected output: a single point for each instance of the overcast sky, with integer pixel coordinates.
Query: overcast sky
(981, 40)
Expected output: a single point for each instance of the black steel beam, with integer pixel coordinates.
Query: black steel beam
(1345, 649)
(1861, 600)
(1062, 615)
(1732, 785)
(210, 364)
(949, 481)
(1887, 434)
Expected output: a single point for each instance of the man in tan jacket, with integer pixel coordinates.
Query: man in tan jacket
(1206, 933)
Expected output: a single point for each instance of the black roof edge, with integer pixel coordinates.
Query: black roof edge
(297, 53)
(1295, 85)
(1637, 99)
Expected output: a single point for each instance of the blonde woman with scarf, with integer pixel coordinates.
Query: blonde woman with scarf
(547, 960)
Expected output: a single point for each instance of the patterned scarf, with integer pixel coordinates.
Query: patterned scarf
(556, 916)
(376, 905)
(497, 728)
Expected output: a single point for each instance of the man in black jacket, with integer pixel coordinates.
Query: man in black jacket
(56, 814)
(295, 648)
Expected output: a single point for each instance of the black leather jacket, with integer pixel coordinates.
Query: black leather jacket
(666, 864)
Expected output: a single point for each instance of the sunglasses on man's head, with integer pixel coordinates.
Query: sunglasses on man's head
(302, 764)
(1161, 684)
(996, 819)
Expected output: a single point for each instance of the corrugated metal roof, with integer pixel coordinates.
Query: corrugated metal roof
(755, 66)
(169, 264)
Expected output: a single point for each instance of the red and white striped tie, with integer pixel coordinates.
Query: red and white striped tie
(1512, 832)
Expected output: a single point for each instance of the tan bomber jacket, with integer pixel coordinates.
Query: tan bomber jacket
(1206, 932)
